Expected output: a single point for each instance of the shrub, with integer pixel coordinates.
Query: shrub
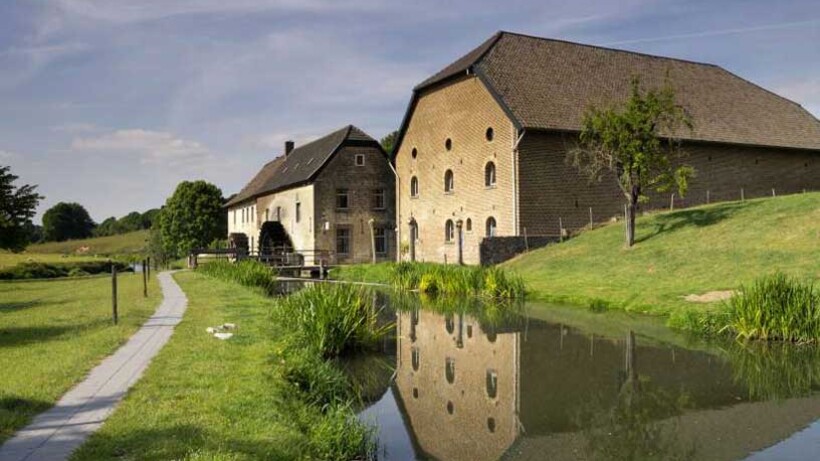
(247, 272)
(39, 270)
(776, 307)
(333, 319)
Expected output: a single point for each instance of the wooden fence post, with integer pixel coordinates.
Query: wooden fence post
(560, 229)
(707, 196)
(591, 223)
(114, 293)
(672, 202)
(526, 241)
(742, 195)
(144, 279)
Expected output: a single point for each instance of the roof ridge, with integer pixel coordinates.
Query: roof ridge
(605, 48)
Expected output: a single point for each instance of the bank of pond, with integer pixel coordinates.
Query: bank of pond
(469, 370)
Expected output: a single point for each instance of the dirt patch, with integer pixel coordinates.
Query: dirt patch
(710, 297)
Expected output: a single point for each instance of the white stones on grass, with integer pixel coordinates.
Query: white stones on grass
(219, 331)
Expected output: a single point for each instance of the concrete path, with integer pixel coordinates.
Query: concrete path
(55, 434)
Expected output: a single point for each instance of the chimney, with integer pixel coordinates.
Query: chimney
(288, 147)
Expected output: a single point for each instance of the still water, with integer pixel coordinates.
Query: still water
(559, 383)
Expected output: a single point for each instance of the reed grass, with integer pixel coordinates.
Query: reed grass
(249, 273)
(776, 307)
(333, 320)
(435, 279)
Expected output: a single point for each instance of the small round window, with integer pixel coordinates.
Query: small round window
(489, 134)
(415, 153)
(448, 144)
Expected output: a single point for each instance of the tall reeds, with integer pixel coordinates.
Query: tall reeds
(333, 320)
(776, 307)
(433, 279)
(247, 272)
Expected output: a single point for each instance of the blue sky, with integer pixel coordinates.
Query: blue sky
(111, 103)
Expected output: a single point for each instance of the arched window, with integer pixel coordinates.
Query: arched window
(448, 144)
(489, 174)
(450, 369)
(414, 186)
(469, 225)
(414, 358)
(489, 134)
(449, 323)
(491, 424)
(415, 153)
(491, 227)
(448, 181)
(449, 231)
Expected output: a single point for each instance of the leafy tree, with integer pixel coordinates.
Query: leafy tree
(149, 217)
(107, 227)
(130, 222)
(638, 145)
(389, 141)
(192, 217)
(66, 221)
(17, 207)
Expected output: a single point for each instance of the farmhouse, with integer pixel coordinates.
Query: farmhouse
(333, 197)
(481, 154)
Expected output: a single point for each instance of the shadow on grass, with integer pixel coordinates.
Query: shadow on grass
(19, 336)
(698, 217)
(9, 307)
(183, 442)
(15, 412)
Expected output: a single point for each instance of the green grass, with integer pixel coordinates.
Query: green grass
(53, 332)
(433, 279)
(692, 251)
(8, 259)
(248, 273)
(240, 399)
(113, 245)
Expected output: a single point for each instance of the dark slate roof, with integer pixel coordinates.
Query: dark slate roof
(549, 84)
(302, 164)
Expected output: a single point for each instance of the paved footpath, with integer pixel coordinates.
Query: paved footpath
(55, 434)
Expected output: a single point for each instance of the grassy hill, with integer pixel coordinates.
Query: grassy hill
(692, 251)
(132, 242)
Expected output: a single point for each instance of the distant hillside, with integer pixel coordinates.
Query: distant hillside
(131, 242)
(691, 251)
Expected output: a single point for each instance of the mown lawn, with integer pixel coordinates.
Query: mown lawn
(53, 332)
(129, 243)
(691, 251)
(203, 398)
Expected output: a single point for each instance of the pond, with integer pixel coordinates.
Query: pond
(567, 383)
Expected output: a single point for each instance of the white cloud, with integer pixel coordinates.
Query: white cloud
(149, 146)
(7, 155)
(75, 127)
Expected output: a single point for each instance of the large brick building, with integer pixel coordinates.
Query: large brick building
(320, 198)
(482, 149)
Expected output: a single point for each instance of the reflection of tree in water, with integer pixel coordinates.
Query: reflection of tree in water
(370, 375)
(636, 426)
(775, 370)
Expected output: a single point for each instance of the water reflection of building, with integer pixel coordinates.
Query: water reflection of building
(458, 385)
(467, 391)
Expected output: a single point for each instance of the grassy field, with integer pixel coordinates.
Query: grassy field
(132, 242)
(692, 251)
(211, 399)
(53, 332)
(8, 259)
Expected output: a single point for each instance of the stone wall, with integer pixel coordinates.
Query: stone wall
(360, 181)
(550, 188)
(461, 112)
(499, 249)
